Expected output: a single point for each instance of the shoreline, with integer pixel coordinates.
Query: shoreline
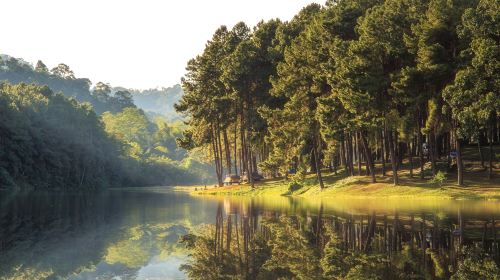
(359, 187)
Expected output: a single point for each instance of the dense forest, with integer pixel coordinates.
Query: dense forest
(385, 82)
(62, 79)
(57, 133)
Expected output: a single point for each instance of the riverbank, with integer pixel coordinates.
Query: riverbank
(477, 186)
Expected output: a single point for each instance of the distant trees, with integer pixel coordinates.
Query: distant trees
(62, 70)
(158, 101)
(350, 82)
(62, 79)
(50, 141)
(41, 67)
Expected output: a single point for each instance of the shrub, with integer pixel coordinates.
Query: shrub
(439, 178)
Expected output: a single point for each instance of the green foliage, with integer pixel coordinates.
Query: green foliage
(158, 101)
(62, 79)
(406, 67)
(439, 178)
(476, 265)
(153, 146)
(49, 141)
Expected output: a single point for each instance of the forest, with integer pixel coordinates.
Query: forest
(386, 82)
(58, 133)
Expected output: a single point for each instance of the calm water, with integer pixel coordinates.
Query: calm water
(133, 234)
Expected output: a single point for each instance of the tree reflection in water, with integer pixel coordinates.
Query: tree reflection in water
(245, 243)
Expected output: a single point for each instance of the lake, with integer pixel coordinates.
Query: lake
(135, 233)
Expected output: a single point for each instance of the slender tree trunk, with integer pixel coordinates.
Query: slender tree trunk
(393, 157)
(382, 135)
(397, 149)
(480, 152)
(235, 149)
(228, 152)
(219, 143)
(368, 157)
(421, 151)
(216, 157)
(343, 157)
(240, 161)
(244, 167)
(358, 152)
(410, 154)
(249, 163)
(312, 160)
(350, 154)
(316, 162)
(490, 171)
(432, 153)
(254, 162)
(335, 162)
(460, 167)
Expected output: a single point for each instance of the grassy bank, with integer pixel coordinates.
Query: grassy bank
(360, 187)
(477, 185)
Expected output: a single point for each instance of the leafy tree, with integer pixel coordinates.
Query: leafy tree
(473, 95)
(41, 67)
(62, 70)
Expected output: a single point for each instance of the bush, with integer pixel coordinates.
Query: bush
(439, 178)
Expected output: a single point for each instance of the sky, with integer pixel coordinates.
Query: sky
(132, 43)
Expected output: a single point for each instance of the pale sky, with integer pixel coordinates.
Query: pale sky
(130, 43)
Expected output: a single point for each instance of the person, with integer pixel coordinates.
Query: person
(425, 149)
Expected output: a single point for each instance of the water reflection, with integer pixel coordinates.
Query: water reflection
(135, 235)
(254, 239)
(96, 236)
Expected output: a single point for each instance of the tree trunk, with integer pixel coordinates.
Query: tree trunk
(228, 152)
(216, 157)
(350, 154)
(312, 160)
(343, 157)
(235, 149)
(316, 162)
(480, 152)
(432, 153)
(421, 152)
(249, 163)
(358, 152)
(393, 157)
(219, 143)
(335, 163)
(410, 154)
(368, 157)
(397, 149)
(460, 167)
(243, 157)
(382, 135)
(490, 171)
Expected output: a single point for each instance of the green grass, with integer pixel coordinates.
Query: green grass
(477, 185)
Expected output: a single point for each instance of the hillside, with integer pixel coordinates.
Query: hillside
(159, 101)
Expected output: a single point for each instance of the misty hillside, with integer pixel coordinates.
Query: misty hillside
(159, 101)
(155, 102)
